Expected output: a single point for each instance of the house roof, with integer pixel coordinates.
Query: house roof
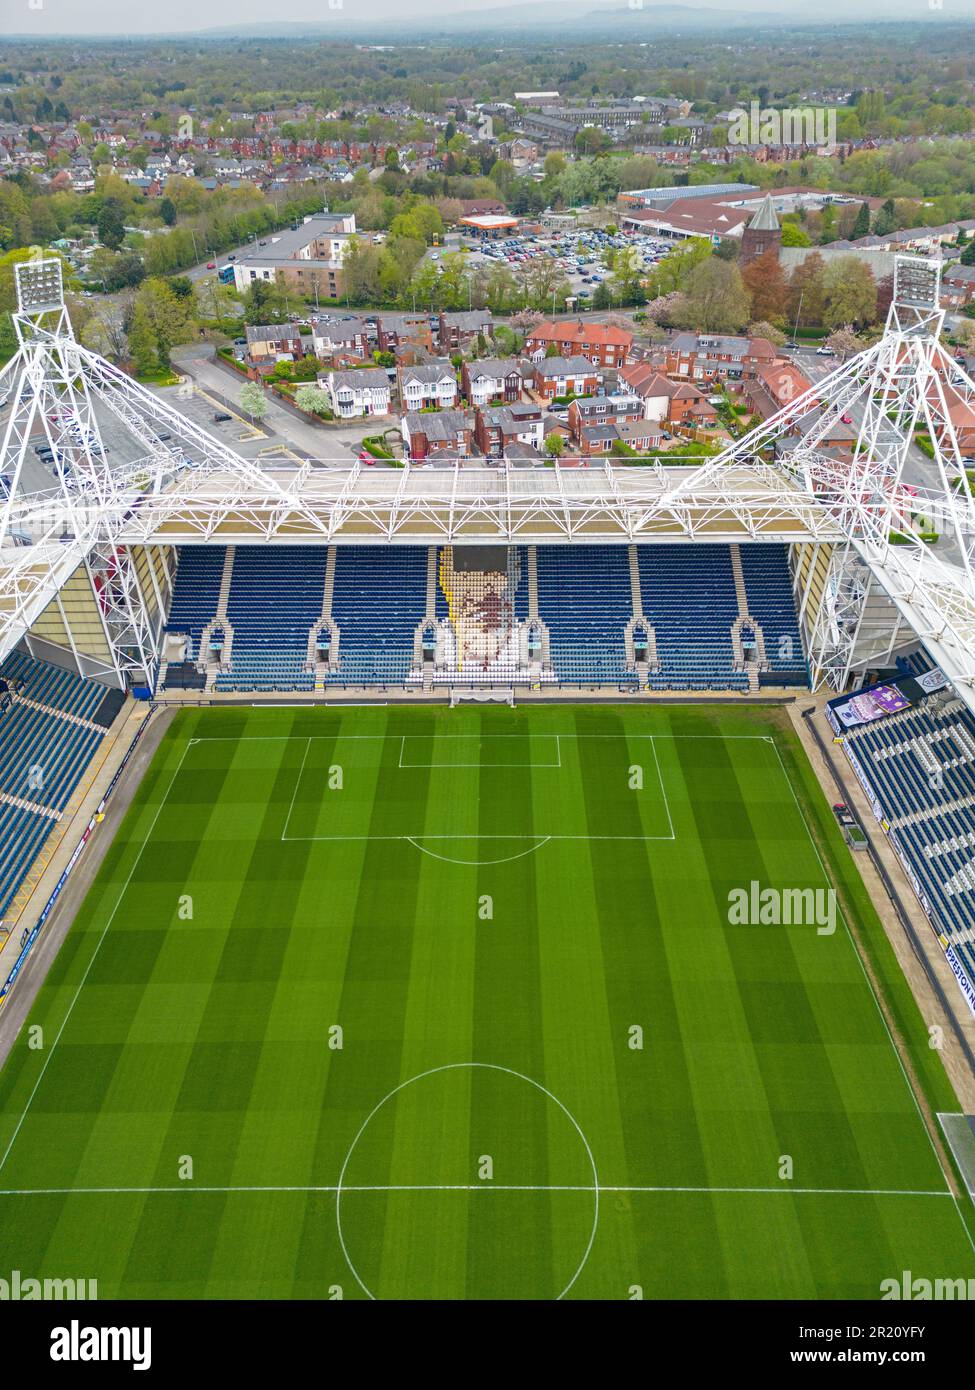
(511, 417)
(441, 425)
(262, 333)
(429, 375)
(646, 380)
(565, 366)
(580, 332)
(361, 379)
(493, 368)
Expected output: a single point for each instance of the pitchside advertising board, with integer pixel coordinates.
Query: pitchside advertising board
(887, 697)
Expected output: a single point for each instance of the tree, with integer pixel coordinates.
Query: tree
(252, 400)
(591, 140)
(673, 272)
(844, 342)
(111, 223)
(104, 332)
(716, 298)
(861, 226)
(761, 329)
(167, 211)
(851, 293)
(807, 298)
(142, 342)
(793, 235)
(765, 281)
(264, 302)
(313, 399)
(554, 445)
(167, 316)
(886, 219)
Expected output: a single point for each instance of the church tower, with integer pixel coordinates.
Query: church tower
(762, 234)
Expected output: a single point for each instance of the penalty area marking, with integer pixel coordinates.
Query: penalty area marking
(539, 840)
(476, 863)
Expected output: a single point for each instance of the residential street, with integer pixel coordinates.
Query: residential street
(337, 444)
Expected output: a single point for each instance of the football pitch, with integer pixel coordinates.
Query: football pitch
(417, 1003)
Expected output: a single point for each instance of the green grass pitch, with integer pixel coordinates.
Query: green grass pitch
(375, 975)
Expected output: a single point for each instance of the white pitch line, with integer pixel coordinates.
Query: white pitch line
(479, 1187)
(94, 954)
(294, 794)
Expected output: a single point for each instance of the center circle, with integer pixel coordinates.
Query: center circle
(476, 1171)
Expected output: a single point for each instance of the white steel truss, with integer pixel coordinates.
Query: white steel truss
(783, 482)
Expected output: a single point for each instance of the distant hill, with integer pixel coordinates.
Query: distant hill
(575, 17)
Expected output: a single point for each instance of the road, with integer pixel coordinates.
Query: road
(281, 430)
(919, 470)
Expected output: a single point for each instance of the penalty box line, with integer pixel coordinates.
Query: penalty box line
(539, 836)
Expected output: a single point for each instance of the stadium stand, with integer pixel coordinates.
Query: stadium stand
(50, 727)
(920, 766)
(275, 598)
(691, 596)
(769, 587)
(482, 594)
(584, 597)
(378, 600)
(196, 592)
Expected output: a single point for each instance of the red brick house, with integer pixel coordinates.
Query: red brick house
(716, 356)
(600, 343)
(443, 434)
(562, 376)
(491, 381)
(497, 428)
(395, 330)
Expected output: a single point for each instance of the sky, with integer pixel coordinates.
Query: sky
(53, 17)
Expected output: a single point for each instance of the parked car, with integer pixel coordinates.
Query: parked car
(222, 416)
